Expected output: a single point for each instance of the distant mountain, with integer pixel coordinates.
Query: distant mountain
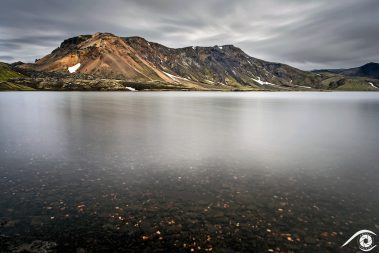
(104, 61)
(370, 70)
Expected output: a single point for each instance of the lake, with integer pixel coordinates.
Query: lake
(188, 171)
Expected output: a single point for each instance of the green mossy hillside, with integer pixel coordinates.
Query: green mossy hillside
(7, 73)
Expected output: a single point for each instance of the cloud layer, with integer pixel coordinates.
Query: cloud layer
(305, 34)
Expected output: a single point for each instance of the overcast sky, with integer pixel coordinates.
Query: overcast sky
(305, 34)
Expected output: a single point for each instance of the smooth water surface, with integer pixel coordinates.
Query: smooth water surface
(188, 171)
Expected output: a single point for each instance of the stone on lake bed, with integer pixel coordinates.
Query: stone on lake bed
(310, 240)
(9, 224)
(110, 226)
(217, 214)
(36, 246)
(39, 220)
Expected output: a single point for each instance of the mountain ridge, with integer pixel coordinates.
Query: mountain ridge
(370, 70)
(136, 60)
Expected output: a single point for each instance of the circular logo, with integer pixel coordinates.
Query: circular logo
(365, 241)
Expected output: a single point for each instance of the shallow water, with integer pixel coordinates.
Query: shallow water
(182, 171)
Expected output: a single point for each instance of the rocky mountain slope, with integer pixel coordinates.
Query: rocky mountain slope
(105, 61)
(135, 59)
(370, 70)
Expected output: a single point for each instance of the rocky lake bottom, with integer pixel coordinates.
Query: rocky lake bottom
(187, 172)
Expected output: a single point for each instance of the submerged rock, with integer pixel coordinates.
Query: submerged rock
(36, 246)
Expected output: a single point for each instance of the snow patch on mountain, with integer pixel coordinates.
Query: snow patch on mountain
(173, 77)
(74, 68)
(301, 86)
(372, 85)
(262, 82)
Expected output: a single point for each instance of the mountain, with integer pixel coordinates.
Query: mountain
(136, 59)
(370, 70)
(104, 61)
(6, 73)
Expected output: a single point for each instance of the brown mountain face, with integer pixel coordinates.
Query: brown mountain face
(134, 59)
(103, 55)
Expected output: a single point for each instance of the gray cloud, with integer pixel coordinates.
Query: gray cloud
(6, 58)
(305, 34)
